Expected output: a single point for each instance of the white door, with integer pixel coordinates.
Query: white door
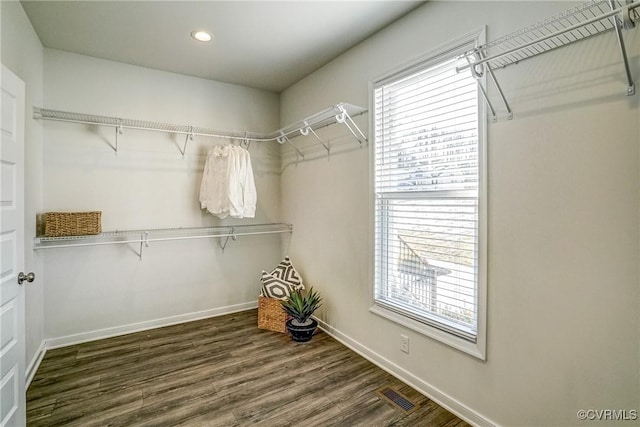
(12, 335)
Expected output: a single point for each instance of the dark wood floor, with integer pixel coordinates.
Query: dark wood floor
(221, 371)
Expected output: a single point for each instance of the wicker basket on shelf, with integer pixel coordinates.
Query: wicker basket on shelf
(58, 224)
(271, 316)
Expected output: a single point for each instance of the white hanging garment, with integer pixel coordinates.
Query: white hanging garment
(228, 187)
(249, 194)
(214, 188)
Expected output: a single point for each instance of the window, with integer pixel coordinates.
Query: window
(428, 185)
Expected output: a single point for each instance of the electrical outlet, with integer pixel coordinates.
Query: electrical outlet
(404, 343)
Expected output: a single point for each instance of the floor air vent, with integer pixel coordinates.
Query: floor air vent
(396, 399)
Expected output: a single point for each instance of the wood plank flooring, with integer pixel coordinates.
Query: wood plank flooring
(222, 371)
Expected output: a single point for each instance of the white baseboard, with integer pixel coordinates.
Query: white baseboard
(441, 398)
(34, 364)
(143, 326)
(454, 406)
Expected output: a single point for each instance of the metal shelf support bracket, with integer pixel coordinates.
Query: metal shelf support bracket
(232, 235)
(144, 242)
(306, 129)
(344, 118)
(481, 56)
(284, 138)
(118, 132)
(188, 137)
(618, 23)
(477, 75)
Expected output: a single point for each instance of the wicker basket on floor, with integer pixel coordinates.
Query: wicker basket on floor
(271, 316)
(58, 224)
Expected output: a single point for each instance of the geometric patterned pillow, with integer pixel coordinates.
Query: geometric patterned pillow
(285, 271)
(274, 287)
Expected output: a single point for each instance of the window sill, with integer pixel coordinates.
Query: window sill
(476, 349)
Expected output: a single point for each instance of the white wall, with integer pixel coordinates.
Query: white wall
(563, 205)
(148, 185)
(22, 52)
(564, 210)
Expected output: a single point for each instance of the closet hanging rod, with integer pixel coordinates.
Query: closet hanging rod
(621, 10)
(115, 122)
(43, 242)
(146, 236)
(316, 121)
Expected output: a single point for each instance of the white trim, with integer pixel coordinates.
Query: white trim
(483, 219)
(143, 326)
(35, 364)
(479, 349)
(471, 348)
(441, 398)
(478, 35)
(454, 406)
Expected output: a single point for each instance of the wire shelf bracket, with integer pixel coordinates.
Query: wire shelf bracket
(187, 137)
(579, 23)
(231, 235)
(144, 242)
(306, 130)
(342, 113)
(118, 132)
(344, 117)
(284, 138)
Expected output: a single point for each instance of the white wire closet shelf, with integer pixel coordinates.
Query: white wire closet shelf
(579, 23)
(145, 236)
(342, 113)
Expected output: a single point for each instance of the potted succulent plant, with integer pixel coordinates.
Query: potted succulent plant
(300, 306)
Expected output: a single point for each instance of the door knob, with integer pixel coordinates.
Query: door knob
(28, 277)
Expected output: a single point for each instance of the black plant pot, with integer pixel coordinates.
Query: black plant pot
(301, 333)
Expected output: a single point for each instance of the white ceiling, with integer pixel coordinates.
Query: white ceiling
(262, 44)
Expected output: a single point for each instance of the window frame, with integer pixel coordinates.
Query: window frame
(444, 52)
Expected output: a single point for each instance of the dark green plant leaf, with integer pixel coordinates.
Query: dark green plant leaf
(301, 306)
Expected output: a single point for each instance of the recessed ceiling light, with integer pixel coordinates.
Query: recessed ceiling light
(201, 36)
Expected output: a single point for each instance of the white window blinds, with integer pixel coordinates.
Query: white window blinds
(426, 196)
